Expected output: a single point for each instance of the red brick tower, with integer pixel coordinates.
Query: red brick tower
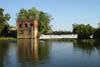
(27, 29)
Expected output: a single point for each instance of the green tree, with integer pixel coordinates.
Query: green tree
(33, 14)
(30, 14)
(83, 31)
(44, 21)
(3, 20)
(97, 32)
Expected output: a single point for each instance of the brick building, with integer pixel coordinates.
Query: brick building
(27, 29)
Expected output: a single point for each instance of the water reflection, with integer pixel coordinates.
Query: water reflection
(32, 52)
(38, 53)
(87, 47)
(8, 53)
(3, 49)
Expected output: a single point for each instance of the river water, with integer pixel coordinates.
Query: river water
(46, 53)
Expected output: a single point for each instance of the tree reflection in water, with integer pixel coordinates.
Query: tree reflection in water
(3, 49)
(32, 52)
(87, 46)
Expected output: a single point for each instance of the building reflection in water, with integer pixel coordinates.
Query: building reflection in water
(35, 50)
(32, 52)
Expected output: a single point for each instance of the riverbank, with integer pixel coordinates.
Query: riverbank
(7, 38)
(75, 40)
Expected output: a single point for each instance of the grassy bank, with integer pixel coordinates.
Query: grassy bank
(7, 38)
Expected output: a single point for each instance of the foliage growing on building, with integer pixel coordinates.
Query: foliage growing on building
(33, 14)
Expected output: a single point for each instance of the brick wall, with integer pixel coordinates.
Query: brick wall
(27, 29)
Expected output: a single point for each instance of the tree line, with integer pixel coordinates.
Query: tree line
(86, 31)
(83, 31)
(59, 33)
(43, 19)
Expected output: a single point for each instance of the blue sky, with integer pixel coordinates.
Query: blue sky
(64, 12)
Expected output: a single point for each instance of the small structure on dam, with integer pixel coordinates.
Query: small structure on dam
(27, 29)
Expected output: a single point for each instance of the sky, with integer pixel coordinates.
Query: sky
(64, 12)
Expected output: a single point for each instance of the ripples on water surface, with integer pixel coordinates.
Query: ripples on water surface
(39, 53)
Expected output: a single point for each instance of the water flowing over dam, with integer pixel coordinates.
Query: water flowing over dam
(58, 36)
